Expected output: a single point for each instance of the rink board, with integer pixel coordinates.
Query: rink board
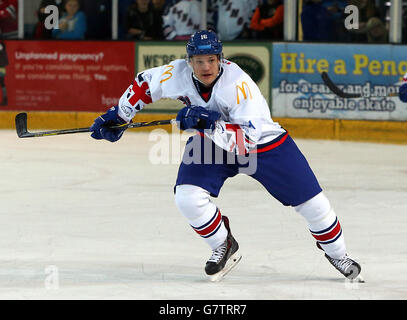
(338, 129)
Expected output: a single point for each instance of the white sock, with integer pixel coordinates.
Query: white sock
(324, 225)
(202, 214)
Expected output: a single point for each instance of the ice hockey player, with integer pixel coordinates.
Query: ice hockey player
(230, 115)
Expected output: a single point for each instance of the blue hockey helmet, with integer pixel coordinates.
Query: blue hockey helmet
(204, 42)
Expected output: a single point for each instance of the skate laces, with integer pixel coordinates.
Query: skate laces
(342, 264)
(218, 253)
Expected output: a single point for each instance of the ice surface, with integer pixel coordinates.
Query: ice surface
(87, 219)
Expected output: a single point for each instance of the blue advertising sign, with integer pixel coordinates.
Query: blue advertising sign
(372, 70)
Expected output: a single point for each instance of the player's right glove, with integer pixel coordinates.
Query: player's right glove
(196, 117)
(101, 127)
(403, 92)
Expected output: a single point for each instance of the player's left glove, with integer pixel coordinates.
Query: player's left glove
(403, 92)
(196, 117)
(101, 127)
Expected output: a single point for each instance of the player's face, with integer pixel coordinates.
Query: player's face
(206, 67)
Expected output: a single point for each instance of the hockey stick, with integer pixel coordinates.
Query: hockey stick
(22, 132)
(340, 93)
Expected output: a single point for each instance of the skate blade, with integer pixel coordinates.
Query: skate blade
(230, 264)
(358, 279)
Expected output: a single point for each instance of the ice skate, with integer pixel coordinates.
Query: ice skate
(348, 267)
(224, 257)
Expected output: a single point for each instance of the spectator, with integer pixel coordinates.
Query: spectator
(371, 27)
(3, 65)
(336, 8)
(72, 25)
(40, 31)
(30, 18)
(158, 9)
(139, 21)
(317, 22)
(98, 18)
(8, 19)
(268, 20)
(123, 6)
(232, 18)
(404, 25)
(375, 30)
(181, 19)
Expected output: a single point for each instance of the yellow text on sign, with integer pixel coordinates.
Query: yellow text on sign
(292, 62)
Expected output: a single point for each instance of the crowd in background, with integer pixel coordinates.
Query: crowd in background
(320, 20)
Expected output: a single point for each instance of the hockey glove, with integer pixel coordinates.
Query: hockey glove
(196, 117)
(101, 127)
(403, 92)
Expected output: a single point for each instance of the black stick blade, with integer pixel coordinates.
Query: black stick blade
(334, 88)
(21, 125)
(22, 131)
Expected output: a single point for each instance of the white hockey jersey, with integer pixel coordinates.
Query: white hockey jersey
(181, 19)
(245, 116)
(232, 17)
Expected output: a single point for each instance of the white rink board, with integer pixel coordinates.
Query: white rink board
(86, 219)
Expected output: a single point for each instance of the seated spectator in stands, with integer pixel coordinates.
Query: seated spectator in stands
(371, 27)
(158, 9)
(139, 21)
(98, 18)
(3, 66)
(375, 30)
(8, 19)
(404, 25)
(123, 6)
(72, 24)
(336, 8)
(268, 20)
(159, 5)
(317, 22)
(40, 31)
(181, 19)
(231, 19)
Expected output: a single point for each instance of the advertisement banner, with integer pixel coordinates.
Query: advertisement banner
(66, 75)
(252, 58)
(373, 70)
